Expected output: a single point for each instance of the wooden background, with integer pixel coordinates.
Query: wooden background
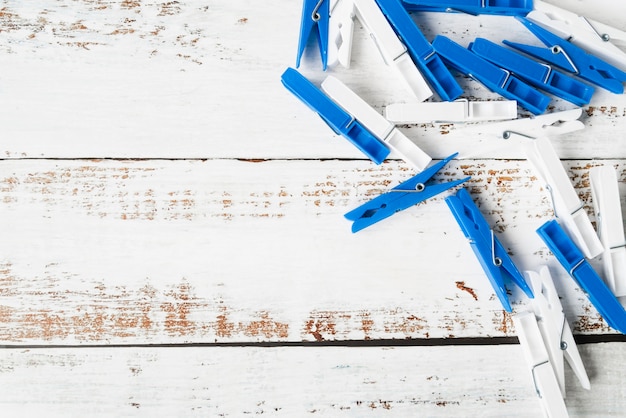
(173, 232)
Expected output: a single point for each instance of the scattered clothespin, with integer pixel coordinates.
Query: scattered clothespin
(574, 262)
(538, 360)
(571, 58)
(555, 330)
(537, 74)
(393, 51)
(473, 7)
(567, 205)
(341, 32)
(590, 35)
(606, 201)
(338, 119)
(408, 193)
(422, 52)
(492, 256)
(315, 15)
(492, 76)
(461, 110)
(374, 122)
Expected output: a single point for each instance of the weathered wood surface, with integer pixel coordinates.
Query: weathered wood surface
(158, 185)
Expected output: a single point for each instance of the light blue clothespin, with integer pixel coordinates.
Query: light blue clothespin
(574, 262)
(473, 7)
(406, 194)
(492, 76)
(315, 15)
(492, 256)
(535, 73)
(571, 58)
(338, 119)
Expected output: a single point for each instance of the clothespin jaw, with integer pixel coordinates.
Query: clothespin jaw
(473, 7)
(556, 332)
(408, 193)
(610, 225)
(315, 15)
(338, 119)
(380, 127)
(538, 360)
(594, 37)
(492, 256)
(574, 262)
(492, 76)
(460, 110)
(537, 74)
(421, 51)
(571, 58)
(567, 205)
(341, 32)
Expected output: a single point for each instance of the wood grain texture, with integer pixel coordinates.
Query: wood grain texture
(467, 381)
(225, 250)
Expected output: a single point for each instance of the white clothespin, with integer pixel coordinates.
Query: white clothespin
(376, 123)
(393, 51)
(340, 32)
(590, 35)
(556, 332)
(567, 206)
(606, 201)
(538, 359)
(458, 111)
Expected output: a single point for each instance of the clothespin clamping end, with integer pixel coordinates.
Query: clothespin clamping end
(473, 7)
(492, 256)
(574, 262)
(555, 330)
(610, 225)
(571, 58)
(592, 36)
(568, 207)
(538, 359)
(408, 193)
(340, 121)
(315, 16)
(341, 32)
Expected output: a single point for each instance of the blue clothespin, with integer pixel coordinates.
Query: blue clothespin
(574, 262)
(492, 76)
(492, 256)
(473, 7)
(406, 194)
(535, 73)
(315, 15)
(421, 51)
(338, 119)
(571, 58)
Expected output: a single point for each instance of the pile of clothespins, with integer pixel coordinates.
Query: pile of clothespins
(582, 51)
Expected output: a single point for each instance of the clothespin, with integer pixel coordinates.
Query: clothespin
(422, 52)
(393, 51)
(541, 370)
(606, 201)
(338, 119)
(537, 74)
(588, 34)
(574, 262)
(571, 58)
(315, 15)
(493, 77)
(374, 122)
(567, 205)
(492, 256)
(341, 32)
(408, 193)
(461, 110)
(473, 7)
(555, 330)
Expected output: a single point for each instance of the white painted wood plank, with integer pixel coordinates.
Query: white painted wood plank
(201, 79)
(468, 381)
(227, 250)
